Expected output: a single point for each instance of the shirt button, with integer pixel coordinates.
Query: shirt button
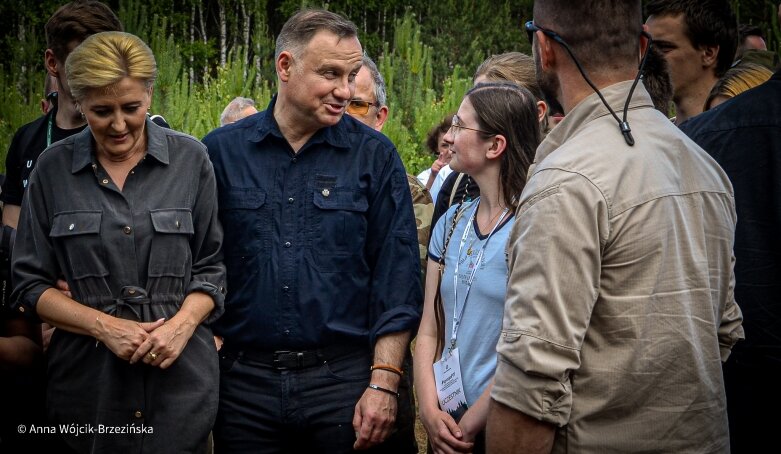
(131, 291)
(71, 227)
(326, 192)
(177, 224)
(290, 200)
(105, 181)
(285, 288)
(287, 244)
(127, 230)
(294, 160)
(21, 308)
(287, 332)
(138, 414)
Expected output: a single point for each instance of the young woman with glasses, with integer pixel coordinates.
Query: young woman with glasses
(493, 137)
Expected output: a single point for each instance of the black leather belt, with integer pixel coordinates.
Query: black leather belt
(288, 359)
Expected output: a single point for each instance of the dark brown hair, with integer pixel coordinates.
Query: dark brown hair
(509, 110)
(302, 27)
(708, 23)
(74, 22)
(604, 35)
(432, 138)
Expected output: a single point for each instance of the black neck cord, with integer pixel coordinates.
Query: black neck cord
(623, 125)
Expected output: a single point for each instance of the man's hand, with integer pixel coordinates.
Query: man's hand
(375, 414)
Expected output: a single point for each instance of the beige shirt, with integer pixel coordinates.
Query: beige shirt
(620, 305)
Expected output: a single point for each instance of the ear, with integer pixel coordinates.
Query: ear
(150, 91)
(546, 50)
(644, 42)
(542, 110)
(709, 56)
(50, 63)
(284, 65)
(382, 116)
(497, 147)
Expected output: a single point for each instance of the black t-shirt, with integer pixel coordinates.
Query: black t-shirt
(27, 145)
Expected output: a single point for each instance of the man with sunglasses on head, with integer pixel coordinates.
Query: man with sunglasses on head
(619, 308)
(322, 258)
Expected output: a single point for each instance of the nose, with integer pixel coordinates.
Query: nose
(345, 88)
(449, 138)
(118, 123)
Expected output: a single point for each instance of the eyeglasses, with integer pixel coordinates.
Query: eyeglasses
(532, 28)
(358, 107)
(457, 126)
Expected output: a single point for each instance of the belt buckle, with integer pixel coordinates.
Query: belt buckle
(285, 359)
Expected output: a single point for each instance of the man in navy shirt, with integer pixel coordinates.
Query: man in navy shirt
(321, 252)
(744, 136)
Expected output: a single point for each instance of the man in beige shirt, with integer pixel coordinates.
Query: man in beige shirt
(620, 304)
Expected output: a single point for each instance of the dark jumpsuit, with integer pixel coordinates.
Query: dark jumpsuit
(136, 254)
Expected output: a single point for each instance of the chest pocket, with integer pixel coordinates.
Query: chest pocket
(170, 254)
(339, 221)
(246, 218)
(77, 235)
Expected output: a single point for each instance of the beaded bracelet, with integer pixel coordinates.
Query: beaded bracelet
(385, 390)
(387, 368)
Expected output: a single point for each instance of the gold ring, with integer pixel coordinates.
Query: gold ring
(153, 356)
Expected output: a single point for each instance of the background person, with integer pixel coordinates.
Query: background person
(438, 148)
(698, 39)
(127, 212)
(369, 106)
(237, 109)
(619, 309)
(744, 137)
(735, 81)
(493, 138)
(322, 258)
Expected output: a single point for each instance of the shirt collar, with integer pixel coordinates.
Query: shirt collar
(266, 124)
(84, 151)
(590, 109)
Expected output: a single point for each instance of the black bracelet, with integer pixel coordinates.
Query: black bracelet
(385, 390)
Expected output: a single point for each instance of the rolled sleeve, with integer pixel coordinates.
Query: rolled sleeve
(553, 285)
(392, 249)
(34, 264)
(208, 270)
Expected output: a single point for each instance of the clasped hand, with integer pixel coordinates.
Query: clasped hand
(157, 343)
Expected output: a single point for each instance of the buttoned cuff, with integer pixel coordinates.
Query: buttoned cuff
(216, 292)
(26, 304)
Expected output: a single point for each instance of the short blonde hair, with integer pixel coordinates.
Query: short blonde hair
(738, 79)
(104, 59)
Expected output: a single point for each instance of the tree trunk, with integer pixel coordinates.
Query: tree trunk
(192, 42)
(203, 34)
(223, 33)
(245, 31)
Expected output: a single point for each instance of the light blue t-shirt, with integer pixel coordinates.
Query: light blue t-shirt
(482, 318)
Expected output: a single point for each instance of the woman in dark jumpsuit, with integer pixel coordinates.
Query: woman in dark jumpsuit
(126, 212)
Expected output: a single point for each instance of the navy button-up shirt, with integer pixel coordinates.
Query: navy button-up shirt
(320, 245)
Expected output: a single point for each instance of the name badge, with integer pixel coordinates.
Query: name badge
(450, 388)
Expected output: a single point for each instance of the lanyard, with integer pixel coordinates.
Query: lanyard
(49, 131)
(458, 315)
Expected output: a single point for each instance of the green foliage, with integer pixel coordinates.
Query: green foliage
(427, 52)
